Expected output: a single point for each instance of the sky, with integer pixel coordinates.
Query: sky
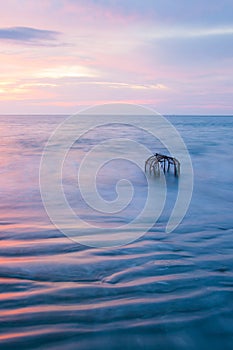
(57, 56)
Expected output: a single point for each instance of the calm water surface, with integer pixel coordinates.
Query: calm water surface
(163, 291)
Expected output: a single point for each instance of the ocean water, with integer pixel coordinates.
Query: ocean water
(162, 291)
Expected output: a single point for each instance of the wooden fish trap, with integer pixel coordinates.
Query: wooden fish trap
(157, 161)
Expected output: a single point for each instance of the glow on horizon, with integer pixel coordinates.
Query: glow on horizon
(67, 72)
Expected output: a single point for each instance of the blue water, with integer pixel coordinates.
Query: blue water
(162, 291)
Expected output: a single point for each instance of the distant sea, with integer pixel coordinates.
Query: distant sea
(163, 291)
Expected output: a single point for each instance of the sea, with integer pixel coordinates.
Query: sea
(161, 290)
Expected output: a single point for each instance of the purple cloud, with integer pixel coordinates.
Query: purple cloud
(27, 34)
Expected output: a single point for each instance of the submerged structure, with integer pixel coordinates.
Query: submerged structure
(157, 161)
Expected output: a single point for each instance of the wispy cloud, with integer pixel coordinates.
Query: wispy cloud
(178, 32)
(28, 35)
(117, 85)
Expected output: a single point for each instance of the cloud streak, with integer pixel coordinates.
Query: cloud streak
(179, 32)
(28, 35)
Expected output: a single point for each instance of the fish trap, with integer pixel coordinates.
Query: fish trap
(158, 161)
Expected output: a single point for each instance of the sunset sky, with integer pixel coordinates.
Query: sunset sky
(173, 55)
